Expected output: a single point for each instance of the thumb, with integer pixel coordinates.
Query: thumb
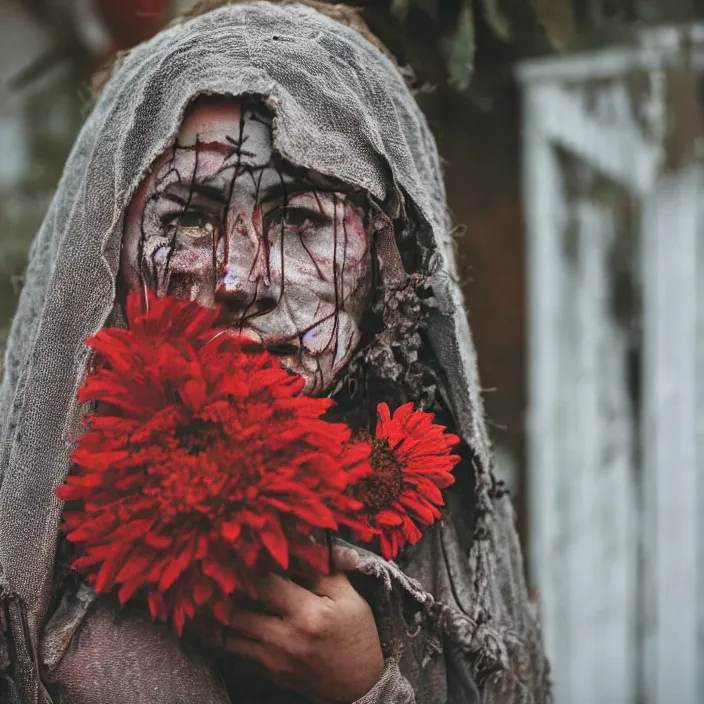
(336, 585)
(344, 559)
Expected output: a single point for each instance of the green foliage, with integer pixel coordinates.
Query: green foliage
(497, 19)
(456, 22)
(460, 50)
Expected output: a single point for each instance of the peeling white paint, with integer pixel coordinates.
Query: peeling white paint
(672, 228)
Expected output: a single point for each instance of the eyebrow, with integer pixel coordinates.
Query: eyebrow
(280, 189)
(181, 192)
(229, 147)
(217, 146)
(213, 193)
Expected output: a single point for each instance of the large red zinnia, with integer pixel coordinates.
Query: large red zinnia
(411, 462)
(202, 464)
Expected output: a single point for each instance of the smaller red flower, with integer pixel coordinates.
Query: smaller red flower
(411, 462)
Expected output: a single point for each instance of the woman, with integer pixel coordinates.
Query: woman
(267, 157)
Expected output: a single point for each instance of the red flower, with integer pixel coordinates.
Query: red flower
(202, 464)
(411, 463)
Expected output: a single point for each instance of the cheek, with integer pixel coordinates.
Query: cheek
(356, 241)
(191, 273)
(135, 226)
(308, 260)
(132, 236)
(356, 266)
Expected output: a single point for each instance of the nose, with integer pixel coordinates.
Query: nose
(243, 280)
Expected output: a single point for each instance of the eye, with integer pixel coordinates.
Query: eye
(301, 219)
(191, 223)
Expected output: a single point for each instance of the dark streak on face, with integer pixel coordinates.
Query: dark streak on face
(220, 223)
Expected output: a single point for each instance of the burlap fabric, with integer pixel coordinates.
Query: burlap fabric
(342, 109)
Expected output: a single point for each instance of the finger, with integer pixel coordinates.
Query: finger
(239, 645)
(281, 596)
(344, 558)
(266, 629)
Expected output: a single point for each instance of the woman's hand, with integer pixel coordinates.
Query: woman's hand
(321, 642)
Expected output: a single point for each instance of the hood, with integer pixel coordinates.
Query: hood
(340, 107)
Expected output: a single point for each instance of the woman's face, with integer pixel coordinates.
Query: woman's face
(218, 221)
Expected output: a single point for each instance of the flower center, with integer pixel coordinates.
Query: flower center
(197, 436)
(385, 484)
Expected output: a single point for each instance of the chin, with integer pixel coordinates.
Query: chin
(309, 369)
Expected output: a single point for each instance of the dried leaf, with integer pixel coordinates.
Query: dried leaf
(496, 19)
(557, 19)
(460, 50)
(17, 282)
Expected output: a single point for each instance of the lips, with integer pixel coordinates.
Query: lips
(282, 349)
(255, 341)
(315, 341)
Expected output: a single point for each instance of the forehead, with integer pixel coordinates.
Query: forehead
(229, 125)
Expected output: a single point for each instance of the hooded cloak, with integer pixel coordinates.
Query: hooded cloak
(455, 624)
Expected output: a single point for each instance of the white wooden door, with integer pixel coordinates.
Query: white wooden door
(615, 235)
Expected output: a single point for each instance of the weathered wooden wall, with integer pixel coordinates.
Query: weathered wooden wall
(615, 231)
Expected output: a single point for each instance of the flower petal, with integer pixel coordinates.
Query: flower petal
(275, 542)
